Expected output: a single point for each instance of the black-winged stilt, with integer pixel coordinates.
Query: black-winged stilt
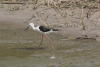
(43, 30)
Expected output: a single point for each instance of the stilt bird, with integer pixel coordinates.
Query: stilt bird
(44, 30)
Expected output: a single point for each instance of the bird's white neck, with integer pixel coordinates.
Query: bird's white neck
(32, 26)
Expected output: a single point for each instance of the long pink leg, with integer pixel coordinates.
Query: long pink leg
(50, 41)
(41, 41)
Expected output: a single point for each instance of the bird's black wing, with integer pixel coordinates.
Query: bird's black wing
(44, 29)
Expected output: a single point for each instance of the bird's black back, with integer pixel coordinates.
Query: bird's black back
(44, 29)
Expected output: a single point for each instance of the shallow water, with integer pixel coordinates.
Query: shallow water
(18, 48)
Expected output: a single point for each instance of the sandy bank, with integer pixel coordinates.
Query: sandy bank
(67, 20)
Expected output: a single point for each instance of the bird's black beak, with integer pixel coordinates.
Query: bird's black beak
(26, 28)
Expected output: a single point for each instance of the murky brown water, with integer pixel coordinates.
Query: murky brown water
(18, 48)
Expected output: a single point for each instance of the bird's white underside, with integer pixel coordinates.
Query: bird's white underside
(37, 29)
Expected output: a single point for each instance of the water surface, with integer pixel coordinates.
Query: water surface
(18, 48)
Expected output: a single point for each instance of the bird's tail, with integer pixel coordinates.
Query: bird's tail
(55, 30)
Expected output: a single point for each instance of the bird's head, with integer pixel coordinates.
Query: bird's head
(30, 24)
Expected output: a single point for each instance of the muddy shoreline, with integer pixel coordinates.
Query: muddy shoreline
(70, 26)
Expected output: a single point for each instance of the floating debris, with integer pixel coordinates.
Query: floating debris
(52, 57)
(86, 38)
(81, 38)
